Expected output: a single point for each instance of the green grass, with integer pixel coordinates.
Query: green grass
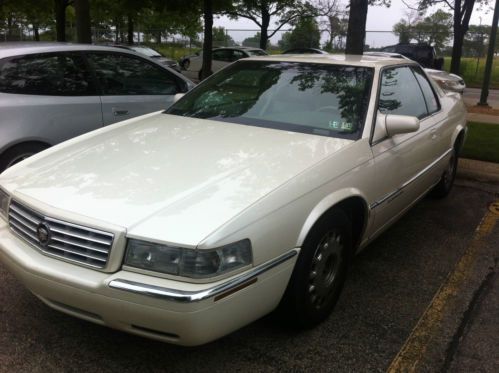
(482, 142)
(472, 75)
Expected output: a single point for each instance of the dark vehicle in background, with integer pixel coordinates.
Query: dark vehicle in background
(151, 53)
(424, 54)
(51, 92)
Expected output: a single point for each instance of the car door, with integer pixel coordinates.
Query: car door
(404, 162)
(47, 97)
(131, 86)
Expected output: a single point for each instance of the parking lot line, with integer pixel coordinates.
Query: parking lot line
(414, 348)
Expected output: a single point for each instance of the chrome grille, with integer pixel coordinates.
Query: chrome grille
(72, 242)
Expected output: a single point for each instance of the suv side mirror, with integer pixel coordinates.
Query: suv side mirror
(397, 124)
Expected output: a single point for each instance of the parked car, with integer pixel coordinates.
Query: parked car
(251, 193)
(422, 53)
(305, 51)
(50, 92)
(221, 57)
(151, 53)
(447, 81)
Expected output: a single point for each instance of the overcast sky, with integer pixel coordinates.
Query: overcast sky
(378, 19)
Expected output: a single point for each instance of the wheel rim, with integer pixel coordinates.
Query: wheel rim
(449, 172)
(326, 264)
(18, 159)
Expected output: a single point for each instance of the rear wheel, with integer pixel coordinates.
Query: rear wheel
(320, 272)
(19, 153)
(446, 182)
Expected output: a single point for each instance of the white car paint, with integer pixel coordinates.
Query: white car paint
(202, 183)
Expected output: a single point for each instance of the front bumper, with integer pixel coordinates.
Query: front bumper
(167, 310)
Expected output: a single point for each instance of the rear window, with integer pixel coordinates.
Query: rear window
(323, 99)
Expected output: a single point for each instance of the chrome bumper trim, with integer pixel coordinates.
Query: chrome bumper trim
(197, 296)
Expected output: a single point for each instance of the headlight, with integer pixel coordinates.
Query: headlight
(4, 203)
(187, 262)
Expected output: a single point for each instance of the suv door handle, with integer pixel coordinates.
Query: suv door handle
(118, 111)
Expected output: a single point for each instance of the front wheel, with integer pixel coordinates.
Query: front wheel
(320, 272)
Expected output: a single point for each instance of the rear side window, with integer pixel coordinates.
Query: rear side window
(46, 74)
(123, 75)
(400, 93)
(428, 93)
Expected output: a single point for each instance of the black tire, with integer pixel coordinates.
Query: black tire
(444, 186)
(186, 64)
(319, 273)
(18, 153)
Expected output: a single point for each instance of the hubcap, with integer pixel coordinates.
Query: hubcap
(449, 173)
(326, 263)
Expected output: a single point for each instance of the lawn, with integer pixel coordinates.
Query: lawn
(472, 74)
(482, 142)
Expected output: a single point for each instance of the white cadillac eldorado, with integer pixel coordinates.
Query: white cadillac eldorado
(250, 194)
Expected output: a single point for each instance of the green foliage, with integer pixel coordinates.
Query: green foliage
(221, 38)
(253, 41)
(482, 142)
(435, 30)
(306, 34)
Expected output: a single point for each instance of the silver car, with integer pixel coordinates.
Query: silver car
(50, 92)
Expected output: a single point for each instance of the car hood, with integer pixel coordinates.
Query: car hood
(164, 177)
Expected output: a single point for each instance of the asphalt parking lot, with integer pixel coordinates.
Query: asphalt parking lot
(392, 290)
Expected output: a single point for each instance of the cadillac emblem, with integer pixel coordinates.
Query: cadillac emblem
(43, 234)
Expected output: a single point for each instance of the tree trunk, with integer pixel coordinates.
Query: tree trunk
(462, 15)
(130, 29)
(457, 50)
(356, 33)
(60, 19)
(208, 38)
(83, 29)
(36, 32)
(264, 36)
(9, 27)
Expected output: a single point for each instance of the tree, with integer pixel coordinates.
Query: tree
(306, 34)
(462, 10)
(356, 33)
(434, 29)
(83, 29)
(261, 11)
(60, 18)
(221, 38)
(333, 22)
(253, 41)
(403, 30)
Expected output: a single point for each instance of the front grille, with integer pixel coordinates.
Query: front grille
(72, 242)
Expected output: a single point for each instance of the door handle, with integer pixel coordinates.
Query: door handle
(433, 133)
(118, 112)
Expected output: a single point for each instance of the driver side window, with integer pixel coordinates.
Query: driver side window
(400, 93)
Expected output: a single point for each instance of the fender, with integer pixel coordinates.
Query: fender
(326, 204)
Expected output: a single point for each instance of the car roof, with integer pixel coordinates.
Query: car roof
(10, 49)
(336, 59)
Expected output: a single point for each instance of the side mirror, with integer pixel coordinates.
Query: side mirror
(177, 97)
(397, 124)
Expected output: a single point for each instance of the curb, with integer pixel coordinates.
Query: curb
(471, 169)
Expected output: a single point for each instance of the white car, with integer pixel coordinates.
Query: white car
(221, 57)
(250, 193)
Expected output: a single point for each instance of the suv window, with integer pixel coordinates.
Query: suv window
(121, 74)
(430, 97)
(400, 93)
(55, 74)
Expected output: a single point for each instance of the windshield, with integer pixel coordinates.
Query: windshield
(323, 99)
(146, 51)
